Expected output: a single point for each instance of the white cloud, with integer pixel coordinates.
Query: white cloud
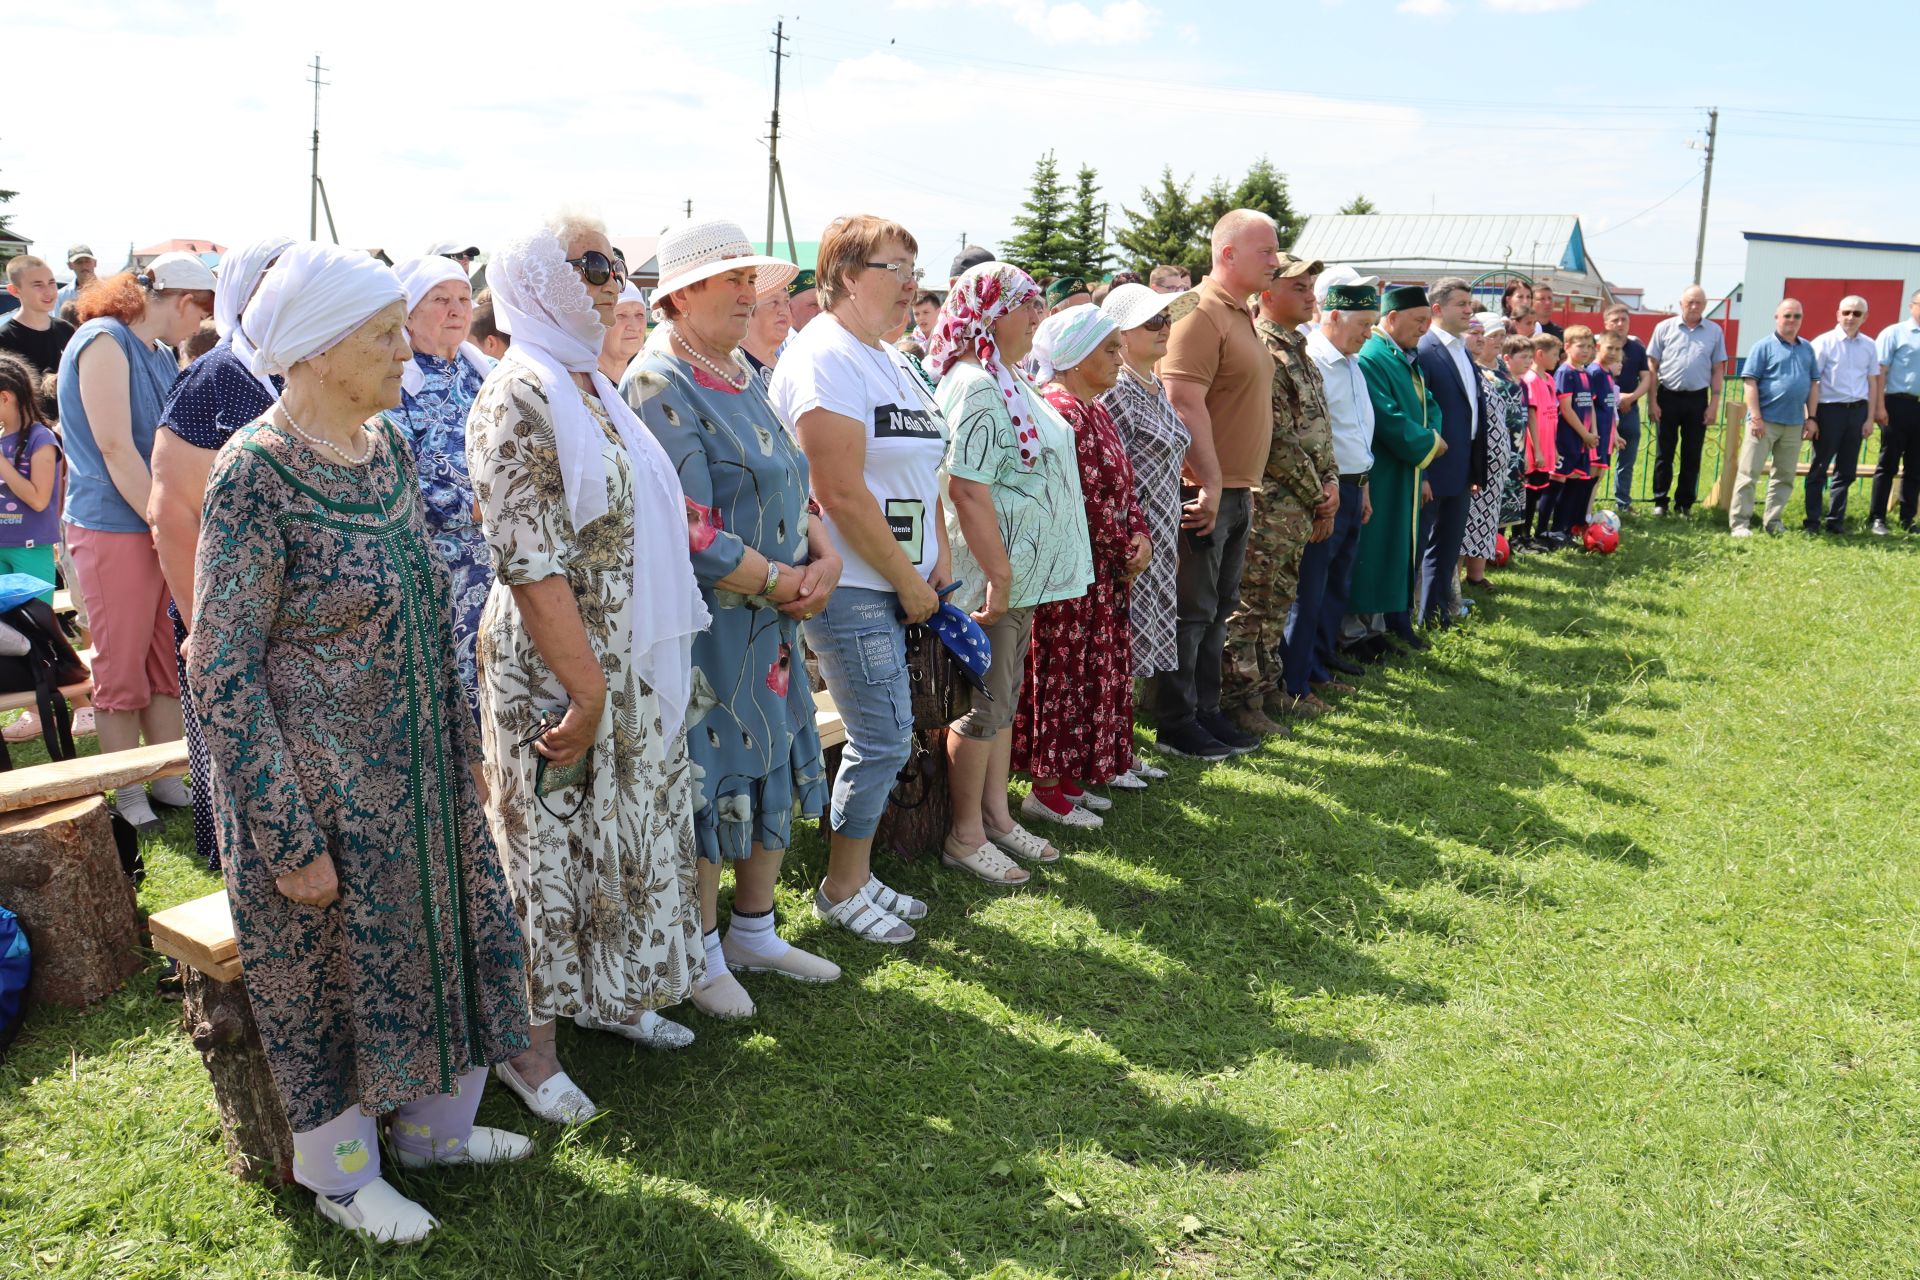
(1072, 23)
(1533, 6)
(1426, 8)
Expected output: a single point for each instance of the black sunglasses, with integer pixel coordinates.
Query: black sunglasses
(597, 268)
(1159, 321)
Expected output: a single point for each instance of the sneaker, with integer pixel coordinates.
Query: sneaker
(1743, 531)
(1660, 509)
(1230, 735)
(27, 727)
(1129, 781)
(1040, 811)
(83, 721)
(1879, 530)
(1193, 742)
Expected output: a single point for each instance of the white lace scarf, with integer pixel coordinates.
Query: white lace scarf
(240, 273)
(541, 302)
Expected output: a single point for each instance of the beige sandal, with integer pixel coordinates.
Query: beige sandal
(985, 863)
(1023, 844)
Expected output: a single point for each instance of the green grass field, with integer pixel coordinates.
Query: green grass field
(1583, 945)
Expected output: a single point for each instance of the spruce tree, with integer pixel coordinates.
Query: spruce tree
(1359, 204)
(1265, 188)
(1163, 230)
(1040, 246)
(1086, 231)
(5, 222)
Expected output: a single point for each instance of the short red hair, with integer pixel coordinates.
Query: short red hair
(124, 298)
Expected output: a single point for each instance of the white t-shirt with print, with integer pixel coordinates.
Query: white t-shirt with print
(828, 368)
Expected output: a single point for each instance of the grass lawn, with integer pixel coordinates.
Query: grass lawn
(1584, 945)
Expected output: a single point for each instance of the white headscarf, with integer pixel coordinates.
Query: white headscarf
(315, 295)
(540, 300)
(1065, 338)
(239, 272)
(419, 276)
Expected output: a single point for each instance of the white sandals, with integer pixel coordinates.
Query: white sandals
(558, 1100)
(894, 902)
(861, 916)
(1023, 844)
(986, 863)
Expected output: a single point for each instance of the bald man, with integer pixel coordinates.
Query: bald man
(1688, 356)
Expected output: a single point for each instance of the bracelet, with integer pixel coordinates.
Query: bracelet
(773, 579)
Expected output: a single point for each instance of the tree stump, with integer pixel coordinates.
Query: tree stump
(219, 1021)
(60, 873)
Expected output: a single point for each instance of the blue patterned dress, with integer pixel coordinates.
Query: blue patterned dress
(750, 726)
(434, 423)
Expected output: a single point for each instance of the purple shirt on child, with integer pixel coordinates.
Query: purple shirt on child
(20, 524)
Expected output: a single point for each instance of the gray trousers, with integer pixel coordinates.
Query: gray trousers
(1207, 591)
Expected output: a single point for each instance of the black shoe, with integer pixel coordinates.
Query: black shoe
(1229, 734)
(1193, 742)
(1344, 667)
(1372, 651)
(1416, 642)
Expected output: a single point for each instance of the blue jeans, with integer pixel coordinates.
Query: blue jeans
(862, 647)
(1629, 431)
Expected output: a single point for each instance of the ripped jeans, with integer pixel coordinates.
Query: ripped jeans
(862, 647)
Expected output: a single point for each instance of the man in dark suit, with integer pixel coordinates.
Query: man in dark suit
(1448, 368)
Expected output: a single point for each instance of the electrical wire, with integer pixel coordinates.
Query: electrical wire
(1611, 226)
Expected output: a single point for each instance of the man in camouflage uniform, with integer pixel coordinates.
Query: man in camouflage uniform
(1298, 494)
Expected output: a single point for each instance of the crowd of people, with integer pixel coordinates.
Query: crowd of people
(490, 618)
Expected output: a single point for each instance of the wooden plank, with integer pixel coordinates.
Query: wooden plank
(89, 775)
(23, 701)
(199, 934)
(826, 719)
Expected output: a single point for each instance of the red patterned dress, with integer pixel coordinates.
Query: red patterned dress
(1076, 712)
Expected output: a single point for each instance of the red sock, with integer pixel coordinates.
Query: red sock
(1054, 798)
(1071, 790)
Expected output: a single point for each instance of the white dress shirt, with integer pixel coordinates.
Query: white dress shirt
(1846, 365)
(1348, 405)
(1456, 346)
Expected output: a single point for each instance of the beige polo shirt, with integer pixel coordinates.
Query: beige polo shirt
(1215, 346)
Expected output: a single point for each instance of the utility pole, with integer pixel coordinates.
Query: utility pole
(1706, 190)
(776, 184)
(689, 208)
(313, 183)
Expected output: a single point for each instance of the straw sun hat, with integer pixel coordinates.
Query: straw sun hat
(697, 251)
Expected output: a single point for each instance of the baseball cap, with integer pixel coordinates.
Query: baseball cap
(969, 257)
(1291, 266)
(452, 249)
(80, 251)
(179, 270)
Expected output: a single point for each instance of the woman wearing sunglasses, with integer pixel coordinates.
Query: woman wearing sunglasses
(1156, 443)
(585, 660)
(764, 566)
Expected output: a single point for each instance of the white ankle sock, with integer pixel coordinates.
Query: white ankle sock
(170, 791)
(756, 933)
(131, 802)
(716, 961)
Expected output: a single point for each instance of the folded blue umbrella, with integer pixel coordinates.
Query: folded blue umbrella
(964, 639)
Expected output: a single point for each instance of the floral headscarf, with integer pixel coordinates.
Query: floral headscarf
(979, 299)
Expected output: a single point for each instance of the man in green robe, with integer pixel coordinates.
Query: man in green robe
(1406, 437)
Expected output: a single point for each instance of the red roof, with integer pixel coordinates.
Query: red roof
(179, 246)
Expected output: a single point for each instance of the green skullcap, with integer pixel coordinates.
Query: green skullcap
(1065, 287)
(1352, 297)
(802, 282)
(1404, 297)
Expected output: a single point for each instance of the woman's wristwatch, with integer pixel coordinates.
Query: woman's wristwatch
(773, 578)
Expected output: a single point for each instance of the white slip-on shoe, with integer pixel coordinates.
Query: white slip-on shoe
(1087, 800)
(379, 1213)
(1142, 768)
(720, 995)
(652, 1030)
(1129, 781)
(1036, 808)
(484, 1146)
(558, 1100)
(802, 966)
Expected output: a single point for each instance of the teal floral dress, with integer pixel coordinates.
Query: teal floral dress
(323, 670)
(750, 725)
(434, 422)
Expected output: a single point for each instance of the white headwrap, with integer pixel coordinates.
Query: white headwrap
(239, 272)
(1065, 338)
(419, 276)
(542, 303)
(315, 295)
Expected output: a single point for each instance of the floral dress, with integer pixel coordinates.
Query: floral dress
(750, 723)
(1076, 711)
(1156, 442)
(435, 424)
(322, 667)
(606, 894)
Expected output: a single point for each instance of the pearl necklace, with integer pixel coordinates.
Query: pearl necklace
(735, 379)
(366, 438)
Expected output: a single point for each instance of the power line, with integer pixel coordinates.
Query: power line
(1614, 226)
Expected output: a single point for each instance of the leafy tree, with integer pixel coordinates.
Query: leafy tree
(1040, 246)
(1165, 229)
(5, 222)
(1359, 204)
(1086, 229)
(1265, 188)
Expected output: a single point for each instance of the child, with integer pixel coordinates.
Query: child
(1605, 375)
(29, 477)
(1542, 491)
(1576, 438)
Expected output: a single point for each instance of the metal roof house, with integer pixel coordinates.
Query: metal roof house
(1488, 249)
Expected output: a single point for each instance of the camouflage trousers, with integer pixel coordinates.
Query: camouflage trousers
(1250, 672)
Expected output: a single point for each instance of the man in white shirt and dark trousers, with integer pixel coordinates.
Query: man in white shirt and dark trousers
(1849, 390)
(1347, 316)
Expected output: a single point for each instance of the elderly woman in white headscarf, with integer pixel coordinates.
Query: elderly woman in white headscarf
(586, 666)
(375, 931)
(436, 394)
(626, 333)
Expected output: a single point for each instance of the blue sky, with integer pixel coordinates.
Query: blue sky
(468, 122)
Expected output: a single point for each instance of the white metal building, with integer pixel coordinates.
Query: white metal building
(1546, 248)
(1818, 272)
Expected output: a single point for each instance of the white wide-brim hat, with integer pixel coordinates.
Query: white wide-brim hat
(1131, 305)
(697, 251)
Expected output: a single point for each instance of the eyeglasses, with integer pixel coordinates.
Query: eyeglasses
(1159, 321)
(907, 269)
(596, 267)
(1853, 313)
